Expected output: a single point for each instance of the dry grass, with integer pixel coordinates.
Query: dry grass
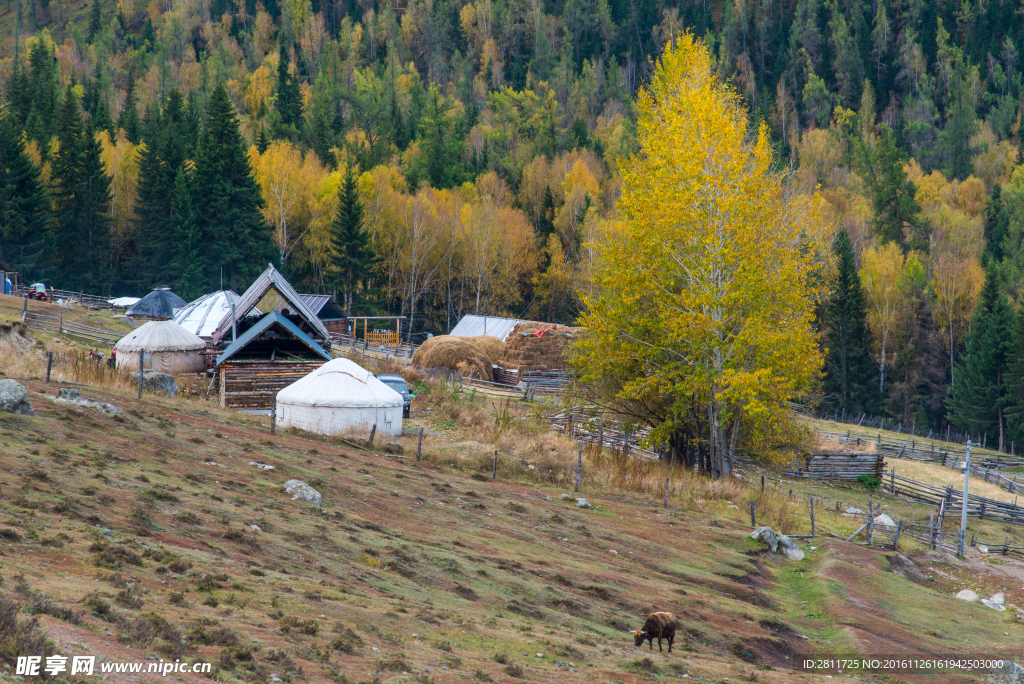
(940, 476)
(456, 353)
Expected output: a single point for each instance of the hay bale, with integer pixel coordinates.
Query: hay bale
(456, 353)
(525, 351)
(491, 346)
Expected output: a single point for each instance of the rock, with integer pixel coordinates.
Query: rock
(997, 598)
(157, 382)
(992, 604)
(261, 466)
(14, 398)
(732, 505)
(884, 520)
(789, 548)
(766, 535)
(255, 528)
(981, 547)
(856, 511)
(583, 503)
(968, 595)
(67, 395)
(566, 497)
(392, 448)
(303, 491)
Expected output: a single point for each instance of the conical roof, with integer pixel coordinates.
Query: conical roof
(203, 315)
(159, 336)
(340, 384)
(160, 303)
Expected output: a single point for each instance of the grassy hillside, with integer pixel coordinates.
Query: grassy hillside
(132, 536)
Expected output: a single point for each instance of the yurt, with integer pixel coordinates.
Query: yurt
(339, 396)
(202, 316)
(159, 305)
(166, 347)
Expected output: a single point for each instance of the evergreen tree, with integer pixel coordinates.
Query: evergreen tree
(851, 377)
(44, 94)
(233, 233)
(289, 98)
(897, 214)
(262, 142)
(441, 157)
(95, 19)
(1013, 400)
(996, 224)
(978, 392)
(94, 212)
(187, 262)
(129, 120)
(961, 122)
(353, 259)
(25, 220)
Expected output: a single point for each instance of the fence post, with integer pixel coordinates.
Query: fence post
(579, 467)
(494, 468)
(812, 516)
(753, 520)
(896, 541)
(931, 530)
(141, 374)
(419, 445)
(49, 365)
(667, 480)
(273, 415)
(892, 480)
(871, 522)
(762, 483)
(373, 433)
(600, 435)
(60, 329)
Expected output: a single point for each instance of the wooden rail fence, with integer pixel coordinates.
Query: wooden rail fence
(950, 500)
(838, 465)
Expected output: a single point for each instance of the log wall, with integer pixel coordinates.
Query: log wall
(252, 385)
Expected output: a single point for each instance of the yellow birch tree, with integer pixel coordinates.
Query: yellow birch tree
(700, 324)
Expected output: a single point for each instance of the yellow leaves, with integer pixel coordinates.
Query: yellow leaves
(261, 87)
(121, 161)
(957, 283)
(881, 275)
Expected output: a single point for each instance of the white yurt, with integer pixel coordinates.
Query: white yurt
(338, 396)
(167, 348)
(202, 316)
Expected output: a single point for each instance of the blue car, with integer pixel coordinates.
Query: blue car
(397, 383)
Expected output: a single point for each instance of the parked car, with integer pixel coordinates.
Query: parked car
(38, 291)
(397, 383)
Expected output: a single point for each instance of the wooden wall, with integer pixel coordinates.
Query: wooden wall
(252, 385)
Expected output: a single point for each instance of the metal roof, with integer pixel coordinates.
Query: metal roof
(160, 303)
(202, 316)
(317, 303)
(264, 323)
(471, 326)
(271, 278)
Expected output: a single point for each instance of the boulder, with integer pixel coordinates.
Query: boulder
(766, 535)
(788, 547)
(392, 448)
(884, 520)
(981, 547)
(852, 510)
(155, 381)
(67, 395)
(566, 497)
(968, 595)
(303, 491)
(995, 602)
(583, 503)
(14, 398)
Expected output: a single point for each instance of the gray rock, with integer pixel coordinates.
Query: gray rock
(788, 547)
(968, 595)
(303, 491)
(992, 604)
(392, 448)
(66, 395)
(14, 398)
(852, 510)
(885, 521)
(157, 382)
(583, 503)
(981, 547)
(766, 535)
(566, 497)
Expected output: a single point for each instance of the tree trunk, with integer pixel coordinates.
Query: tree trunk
(881, 371)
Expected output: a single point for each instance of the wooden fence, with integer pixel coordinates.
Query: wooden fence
(605, 433)
(56, 325)
(950, 500)
(838, 465)
(921, 450)
(252, 385)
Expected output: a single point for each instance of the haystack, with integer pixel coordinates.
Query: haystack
(491, 346)
(526, 351)
(458, 353)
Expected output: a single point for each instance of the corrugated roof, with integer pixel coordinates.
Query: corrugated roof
(264, 323)
(203, 316)
(472, 325)
(271, 278)
(323, 305)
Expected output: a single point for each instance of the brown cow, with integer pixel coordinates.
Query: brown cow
(658, 626)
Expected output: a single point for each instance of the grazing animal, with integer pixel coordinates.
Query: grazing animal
(658, 626)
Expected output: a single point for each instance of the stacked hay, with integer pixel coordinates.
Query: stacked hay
(467, 354)
(525, 351)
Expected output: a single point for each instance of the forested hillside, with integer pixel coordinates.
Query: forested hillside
(442, 157)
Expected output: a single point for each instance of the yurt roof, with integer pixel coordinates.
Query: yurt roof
(340, 384)
(203, 315)
(160, 303)
(159, 336)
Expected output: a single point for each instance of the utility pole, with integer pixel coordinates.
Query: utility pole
(963, 506)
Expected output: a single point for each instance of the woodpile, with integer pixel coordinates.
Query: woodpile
(469, 355)
(253, 385)
(838, 465)
(537, 347)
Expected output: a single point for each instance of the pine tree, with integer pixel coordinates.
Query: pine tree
(851, 378)
(25, 219)
(153, 236)
(441, 156)
(94, 212)
(66, 180)
(1013, 400)
(545, 222)
(897, 214)
(44, 94)
(262, 142)
(95, 19)
(353, 259)
(289, 98)
(978, 392)
(996, 224)
(233, 233)
(961, 122)
(187, 263)
(129, 120)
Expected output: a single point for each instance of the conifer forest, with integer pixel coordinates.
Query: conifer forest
(435, 158)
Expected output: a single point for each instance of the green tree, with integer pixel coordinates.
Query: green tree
(961, 121)
(440, 159)
(850, 376)
(897, 214)
(289, 98)
(996, 224)
(234, 234)
(129, 120)
(25, 220)
(95, 19)
(977, 396)
(187, 261)
(353, 260)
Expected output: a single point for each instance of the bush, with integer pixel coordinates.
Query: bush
(870, 482)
